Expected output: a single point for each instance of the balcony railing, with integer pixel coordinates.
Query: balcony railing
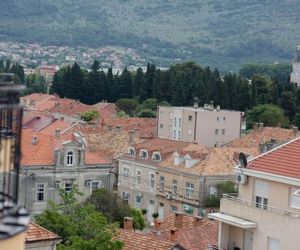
(275, 210)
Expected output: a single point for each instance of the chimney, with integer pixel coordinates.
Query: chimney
(178, 219)
(128, 223)
(57, 133)
(118, 129)
(136, 132)
(260, 127)
(34, 140)
(173, 234)
(196, 102)
(157, 224)
(218, 108)
(81, 157)
(295, 130)
(131, 137)
(255, 127)
(62, 118)
(279, 125)
(198, 221)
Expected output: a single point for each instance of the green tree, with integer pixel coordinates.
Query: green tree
(89, 115)
(147, 113)
(80, 226)
(127, 105)
(288, 103)
(35, 83)
(268, 114)
(296, 120)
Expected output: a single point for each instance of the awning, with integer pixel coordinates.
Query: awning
(232, 220)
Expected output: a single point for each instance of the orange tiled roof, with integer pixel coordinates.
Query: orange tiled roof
(42, 153)
(190, 236)
(137, 241)
(36, 233)
(284, 160)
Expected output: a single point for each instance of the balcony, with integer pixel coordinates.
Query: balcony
(234, 200)
(13, 219)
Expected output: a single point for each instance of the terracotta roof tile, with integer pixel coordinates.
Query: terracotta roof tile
(35, 233)
(137, 241)
(284, 160)
(190, 236)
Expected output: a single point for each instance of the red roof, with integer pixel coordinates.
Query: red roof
(190, 236)
(36, 233)
(137, 241)
(42, 152)
(284, 160)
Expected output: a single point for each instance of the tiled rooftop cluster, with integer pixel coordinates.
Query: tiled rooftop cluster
(36, 233)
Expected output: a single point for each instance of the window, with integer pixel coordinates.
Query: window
(138, 176)
(152, 180)
(174, 208)
(95, 185)
(156, 156)
(189, 191)
(174, 187)
(261, 194)
(70, 159)
(174, 136)
(125, 197)
(295, 198)
(224, 118)
(138, 201)
(57, 184)
(161, 183)
(131, 151)
(161, 125)
(190, 118)
(40, 192)
(175, 122)
(188, 209)
(179, 135)
(273, 244)
(68, 187)
(179, 122)
(216, 131)
(223, 131)
(144, 153)
(125, 174)
(213, 191)
(217, 118)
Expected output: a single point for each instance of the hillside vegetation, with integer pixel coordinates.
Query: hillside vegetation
(220, 33)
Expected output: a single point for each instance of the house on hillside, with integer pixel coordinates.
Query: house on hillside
(266, 213)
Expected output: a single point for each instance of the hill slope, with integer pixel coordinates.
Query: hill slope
(223, 33)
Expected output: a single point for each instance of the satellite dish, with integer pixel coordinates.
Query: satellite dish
(243, 160)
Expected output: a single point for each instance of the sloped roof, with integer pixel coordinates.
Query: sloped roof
(190, 236)
(42, 152)
(36, 233)
(284, 160)
(137, 241)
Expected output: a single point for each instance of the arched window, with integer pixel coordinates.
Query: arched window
(70, 158)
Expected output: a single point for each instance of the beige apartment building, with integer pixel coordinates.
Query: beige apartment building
(208, 125)
(266, 214)
(166, 176)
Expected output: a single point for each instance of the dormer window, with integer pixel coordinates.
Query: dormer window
(131, 151)
(156, 156)
(295, 198)
(144, 153)
(70, 159)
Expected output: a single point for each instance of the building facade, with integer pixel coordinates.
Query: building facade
(165, 176)
(266, 214)
(206, 125)
(51, 163)
(295, 75)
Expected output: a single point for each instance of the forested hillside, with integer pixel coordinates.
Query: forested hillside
(219, 33)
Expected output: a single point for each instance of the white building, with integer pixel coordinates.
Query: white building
(295, 75)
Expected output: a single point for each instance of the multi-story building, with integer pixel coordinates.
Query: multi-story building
(52, 162)
(295, 75)
(206, 125)
(165, 176)
(266, 214)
